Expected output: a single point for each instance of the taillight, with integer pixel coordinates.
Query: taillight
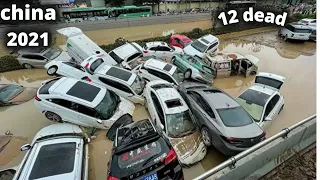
(231, 140)
(87, 65)
(172, 156)
(145, 51)
(88, 79)
(37, 98)
(112, 178)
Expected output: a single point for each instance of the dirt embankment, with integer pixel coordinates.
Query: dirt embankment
(301, 168)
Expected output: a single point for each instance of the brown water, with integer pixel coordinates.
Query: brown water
(295, 61)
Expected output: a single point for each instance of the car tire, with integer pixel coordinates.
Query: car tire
(285, 38)
(27, 66)
(205, 135)
(253, 73)
(53, 117)
(187, 74)
(52, 70)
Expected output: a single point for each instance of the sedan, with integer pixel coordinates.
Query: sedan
(223, 122)
(69, 69)
(161, 49)
(11, 94)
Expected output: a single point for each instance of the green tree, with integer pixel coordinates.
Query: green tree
(114, 2)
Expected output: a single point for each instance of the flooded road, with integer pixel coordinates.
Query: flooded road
(295, 61)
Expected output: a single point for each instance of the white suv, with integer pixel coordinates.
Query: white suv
(295, 31)
(123, 82)
(207, 44)
(58, 151)
(161, 50)
(172, 115)
(154, 69)
(78, 102)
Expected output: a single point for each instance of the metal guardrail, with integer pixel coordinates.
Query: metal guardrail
(231, 161)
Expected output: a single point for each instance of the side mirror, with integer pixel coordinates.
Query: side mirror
(161, 126)
(99, 121)
(25, 147)
(267, 119)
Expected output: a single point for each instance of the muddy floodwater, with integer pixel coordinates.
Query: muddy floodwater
(295, 61)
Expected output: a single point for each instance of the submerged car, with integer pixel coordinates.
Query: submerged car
(207, 44)
(161, 49)
(223, 122)
(80, 102)
(154, 69)
(68, 69)
(295, 31)
(230, 64)
(140, 152)
(170, 113)
(194, 68)
(263, 100)
(179, 40)
(11, 94)
(58, 151)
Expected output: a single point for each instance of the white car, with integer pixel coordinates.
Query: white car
(154, 69)
(93, 63)
(308, 22)
(161, 49)
(263, 100)
(121, 81)
(68, 69)
(207, 44)
(170, 113)
(58, 151)
(127, 53)
(79, 102)
(295, 31)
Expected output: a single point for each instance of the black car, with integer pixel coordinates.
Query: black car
(140, 152)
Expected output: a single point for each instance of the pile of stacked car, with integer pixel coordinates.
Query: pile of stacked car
(187, 114)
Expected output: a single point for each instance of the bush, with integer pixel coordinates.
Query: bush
(9, 63)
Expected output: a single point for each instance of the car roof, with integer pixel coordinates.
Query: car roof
(219, 100)
(166, 95)
(160, 65)
(125, 50)
(180, 36)
(208, 39)
(78, 91)
(118, 73)
(299, 26)
(156, 43)
(271, 75)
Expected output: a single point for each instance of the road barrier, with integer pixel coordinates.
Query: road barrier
(260, 159)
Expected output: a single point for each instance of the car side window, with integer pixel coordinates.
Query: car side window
(271, 104)
(212, 46)
(134, 56)
(164, 48)
(64, 103)
(37, 57)
(158, 108)
(161, 75)
(202, 103)
(116, 85)
(75, 65)
(153, 49)
(87, 111)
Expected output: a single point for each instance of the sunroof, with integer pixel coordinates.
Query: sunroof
(167, 67)
(119, 73)
(84, 91)
(212, 91)
(202, 39)
(173, 103)
(160, 86)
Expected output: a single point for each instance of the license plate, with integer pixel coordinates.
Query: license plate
(151, 177)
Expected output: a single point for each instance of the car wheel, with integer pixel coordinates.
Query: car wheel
(253, 73)
(285, 38)
(187, 74)
(52, 70)
(27, 66)
(53, 117)
(206, 136)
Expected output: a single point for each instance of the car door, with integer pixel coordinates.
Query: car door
(38, 61)
(89, 116)
(182, 64)
(71, 69)
(271, 110)
(152, 51)
(167, 52)
(155, 110)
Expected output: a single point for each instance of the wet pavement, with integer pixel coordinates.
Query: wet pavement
(295, 61)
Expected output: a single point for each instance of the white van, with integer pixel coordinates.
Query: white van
(80, 47)
(295, 31)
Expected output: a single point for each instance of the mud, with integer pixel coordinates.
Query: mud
(295, 61)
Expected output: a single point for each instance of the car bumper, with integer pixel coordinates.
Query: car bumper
(229, 149)
(197, 156)
(200, 78)
(299, 38)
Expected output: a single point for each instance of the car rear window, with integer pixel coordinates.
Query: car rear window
(54, 159)
(119, 73)
(45, 88)
(84, 91)
(96, 64)
(234, 117)
(116, 57)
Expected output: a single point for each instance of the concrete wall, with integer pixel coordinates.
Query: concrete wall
(183, 6)
(262, 161)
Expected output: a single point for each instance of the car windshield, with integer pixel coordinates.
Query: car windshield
(199, 46)
(9, 92)
(302, 30)
(138, 85)
(253, 102)
(234, 117)
(178, 75)
(107, 107)
(180, 124)
(52, 54)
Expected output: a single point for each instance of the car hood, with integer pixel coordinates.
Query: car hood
(64, 56)
(248, 131)
(178, 50)
(26, 95)
(187, 144)
(192, 51)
